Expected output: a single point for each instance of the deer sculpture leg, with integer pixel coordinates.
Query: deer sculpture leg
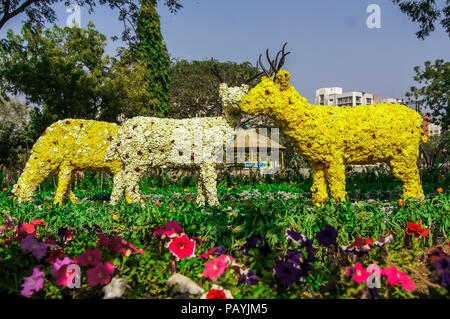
(319, 187)
(201, 193)
(119, 187)
(133, 175)
(208, 174)
(64, 178)
(405, 169)
(335, 174)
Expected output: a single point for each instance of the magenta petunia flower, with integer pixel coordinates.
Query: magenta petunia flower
(89, 257)
(60, 263)
(206, 255)
(100, 274)
(172, 225)
(215, 268)
(64, 277)
(182, 247)
(32, 245)
(33, 283)
(360, 274)
(395, 277)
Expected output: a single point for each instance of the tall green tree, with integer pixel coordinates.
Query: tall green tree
(426, 13)
(433, 93)
(152, 50)
(195, 89)
(68, 74)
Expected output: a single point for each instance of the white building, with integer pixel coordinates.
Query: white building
(335, 96)
(434, 129)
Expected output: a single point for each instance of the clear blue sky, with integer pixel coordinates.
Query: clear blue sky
(330, 42)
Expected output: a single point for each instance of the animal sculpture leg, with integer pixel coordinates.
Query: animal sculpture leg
(64, 178)
(319, 187)
(335, 174)
(405, 169)
(133, 175)
(208, 174)
(72, 196)
(201, 193)
(118, 187)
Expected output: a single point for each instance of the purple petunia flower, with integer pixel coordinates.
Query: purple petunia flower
(253, 240)
(33, 283)
(10, 222)
(219, 250)
(249, 278)
(295, 236)
(286, 273)
(172, 225)
(60, 263)
(294, 256)
(327, 236)
(62, 231)
(32, 245)
(442, 271)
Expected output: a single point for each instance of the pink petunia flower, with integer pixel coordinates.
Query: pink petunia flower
(206, 255)
(60, 263)
(395, 277)
(215, 268)
(89, 257)
(33, 283)
(182, 247)
(32, 245)
(100, 274)
(360, 273)
(64, 277)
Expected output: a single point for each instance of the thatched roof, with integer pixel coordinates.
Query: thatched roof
(254, 140)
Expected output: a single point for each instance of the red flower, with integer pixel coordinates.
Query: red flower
(216, 294)
(182, 247)
(416, 229)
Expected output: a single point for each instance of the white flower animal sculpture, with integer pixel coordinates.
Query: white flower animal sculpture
(196, 143)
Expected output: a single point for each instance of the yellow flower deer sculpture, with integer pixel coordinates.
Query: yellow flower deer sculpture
(66, 146)
(329, 137)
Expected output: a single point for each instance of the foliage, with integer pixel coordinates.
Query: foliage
(434, 93)
(195, 89)
(153, 53)
(67, 72)
(426, 13)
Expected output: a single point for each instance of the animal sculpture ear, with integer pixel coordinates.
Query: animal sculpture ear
(223, 86)
(282, 79)
(244, 88)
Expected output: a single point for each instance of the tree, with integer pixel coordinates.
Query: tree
(14, 111)
(67, 72)
(434, 92)
(152, 51)
(426, 13)
(195, 89)
(40, 11)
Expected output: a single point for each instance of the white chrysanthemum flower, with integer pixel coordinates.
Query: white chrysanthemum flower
(115, 289)
(185, 284)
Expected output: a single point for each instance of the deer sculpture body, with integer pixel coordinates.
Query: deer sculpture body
(149, 142)
(330, 137)
(66, 146)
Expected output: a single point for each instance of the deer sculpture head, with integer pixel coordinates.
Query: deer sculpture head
(265, 98)
(230, 96)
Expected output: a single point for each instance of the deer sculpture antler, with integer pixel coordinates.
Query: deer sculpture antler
(217, 74)
(275, 65)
